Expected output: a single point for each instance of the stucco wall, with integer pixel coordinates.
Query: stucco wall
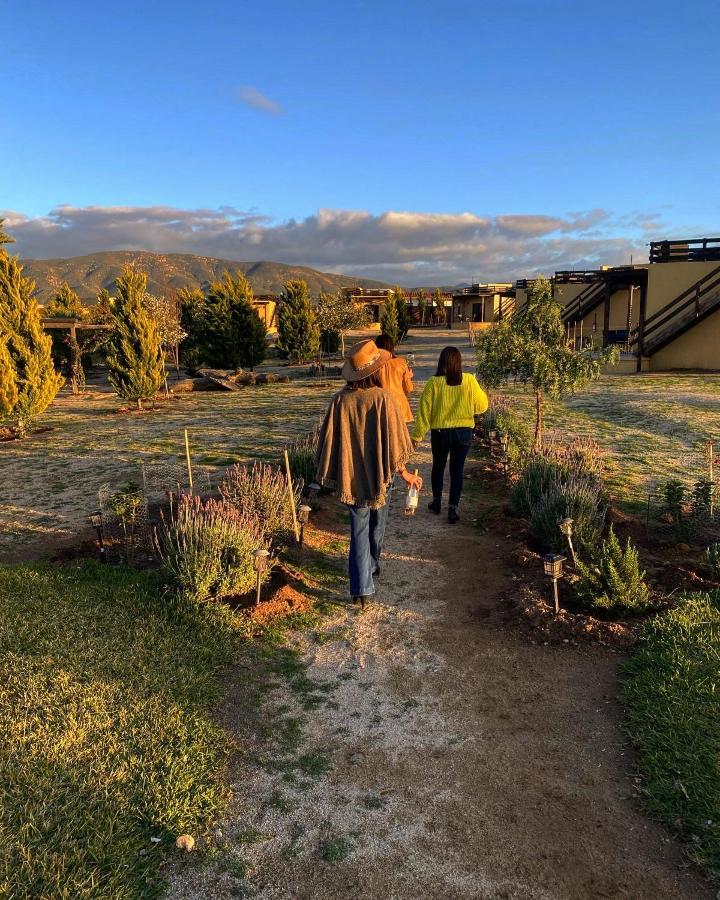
(698, 348)
(565, 293)
(667, 280)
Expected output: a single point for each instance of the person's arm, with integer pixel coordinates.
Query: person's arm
(407, 380)
(422, 420)
(480, 398)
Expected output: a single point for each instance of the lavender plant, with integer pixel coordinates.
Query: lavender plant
(575, 496)
(261, 492)
(206, 548)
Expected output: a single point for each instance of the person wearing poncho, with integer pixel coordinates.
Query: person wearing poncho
(363, 443)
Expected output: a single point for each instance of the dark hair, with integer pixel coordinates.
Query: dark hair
(369, 382)
(385, 342)
(450, 365)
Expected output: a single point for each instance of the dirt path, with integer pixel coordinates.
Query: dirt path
(447, 756)
(462, 761)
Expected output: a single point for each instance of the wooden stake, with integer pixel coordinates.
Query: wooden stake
(187, 457)
(291, 495)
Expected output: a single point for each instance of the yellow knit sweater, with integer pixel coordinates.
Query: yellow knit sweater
(446, 406)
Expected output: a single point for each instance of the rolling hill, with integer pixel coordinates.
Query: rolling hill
(87, 275)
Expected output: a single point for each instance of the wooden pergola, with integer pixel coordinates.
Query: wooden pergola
(73, 326)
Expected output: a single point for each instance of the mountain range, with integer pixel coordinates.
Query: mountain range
(167, 272)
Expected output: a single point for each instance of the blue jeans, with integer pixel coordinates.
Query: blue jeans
(455, 443)
(367, 532)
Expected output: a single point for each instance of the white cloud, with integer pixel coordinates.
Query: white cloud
(407, 247)
(251, 96)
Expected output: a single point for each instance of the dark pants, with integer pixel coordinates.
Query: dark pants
(455, 443)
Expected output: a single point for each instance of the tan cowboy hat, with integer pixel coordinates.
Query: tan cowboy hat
(364, 359)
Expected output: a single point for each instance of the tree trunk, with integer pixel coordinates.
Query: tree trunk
(538, 419)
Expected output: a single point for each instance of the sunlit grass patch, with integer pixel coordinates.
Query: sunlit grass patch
(108, 751)
(671, 691)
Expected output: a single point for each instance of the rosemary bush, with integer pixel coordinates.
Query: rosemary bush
(206, 547)
(613, 580)
(261, 492)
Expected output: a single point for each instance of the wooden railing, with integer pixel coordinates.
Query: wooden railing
(585, 301)
(679, 314)
(695, 250)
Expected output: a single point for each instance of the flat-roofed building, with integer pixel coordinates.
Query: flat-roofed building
(480, 305)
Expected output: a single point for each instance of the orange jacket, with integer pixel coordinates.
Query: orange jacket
(397, 378)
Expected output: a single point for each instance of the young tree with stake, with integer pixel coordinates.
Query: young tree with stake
(531, 347)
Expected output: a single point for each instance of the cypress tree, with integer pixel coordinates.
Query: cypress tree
(403, 314)
(298, 334)
(135, 356)
(26, 359)
(8, 381)
(230, 333)
(389, 319)
(65, 304)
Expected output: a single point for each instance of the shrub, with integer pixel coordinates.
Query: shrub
(673, 492)
(582, 459)
(712, 556)
(501, 417)
(580, 498)
(613, 581)
(301, 454)
(261, 492)
(702, 497)
(539, 474)
(206, 548)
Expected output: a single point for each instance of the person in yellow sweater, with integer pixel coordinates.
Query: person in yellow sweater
(448, 405)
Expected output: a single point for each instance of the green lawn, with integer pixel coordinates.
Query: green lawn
(108, 751)
(671, 691)
(651, 426)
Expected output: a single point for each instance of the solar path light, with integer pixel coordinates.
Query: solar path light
(261, 559)
(97, 524)
(553, 564)
(566, 527)
(303, 518)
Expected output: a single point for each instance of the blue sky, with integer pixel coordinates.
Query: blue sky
(224, 127)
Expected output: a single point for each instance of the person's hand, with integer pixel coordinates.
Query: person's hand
(411, 480)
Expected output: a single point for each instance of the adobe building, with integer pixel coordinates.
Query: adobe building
(680, 328)
(664, 314)
(480, 305)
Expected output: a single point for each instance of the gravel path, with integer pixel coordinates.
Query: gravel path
(462, 762)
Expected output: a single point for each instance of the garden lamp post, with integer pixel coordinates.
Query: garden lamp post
(566, 527)
(314, 490)
(261, 558)
(553, 564)
(492, 434)
(96, 522)
(303, 518)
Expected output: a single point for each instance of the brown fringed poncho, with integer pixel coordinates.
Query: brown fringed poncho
(363, 442)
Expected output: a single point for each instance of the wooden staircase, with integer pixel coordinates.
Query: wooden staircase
(678, 316)
(585, 302)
